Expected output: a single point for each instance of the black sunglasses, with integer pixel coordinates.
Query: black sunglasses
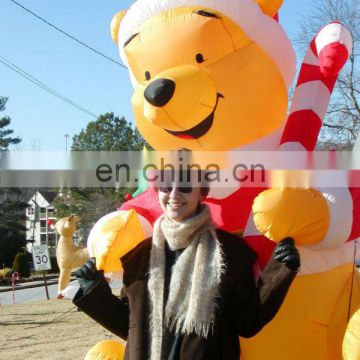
(182, 189)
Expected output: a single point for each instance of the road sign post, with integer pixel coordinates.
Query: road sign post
(46, 286)
(41, 260)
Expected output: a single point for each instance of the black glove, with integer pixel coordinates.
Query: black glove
(88, 276)
(287, 253)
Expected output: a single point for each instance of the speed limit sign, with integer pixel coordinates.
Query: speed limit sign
(41, 257)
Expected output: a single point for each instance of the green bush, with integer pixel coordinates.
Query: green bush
(5, 273)
(21, 264)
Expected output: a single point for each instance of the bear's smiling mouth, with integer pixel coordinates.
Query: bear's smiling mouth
(200, 129)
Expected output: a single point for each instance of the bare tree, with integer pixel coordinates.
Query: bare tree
(342, 122)
(357, 144)
(35, 145)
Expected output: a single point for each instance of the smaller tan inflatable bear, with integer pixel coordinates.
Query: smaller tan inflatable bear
(68, 255)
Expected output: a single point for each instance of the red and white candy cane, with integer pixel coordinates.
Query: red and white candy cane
(14, 276)
(327, 54)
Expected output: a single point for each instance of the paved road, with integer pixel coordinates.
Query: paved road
(25, 295)
(37, 293)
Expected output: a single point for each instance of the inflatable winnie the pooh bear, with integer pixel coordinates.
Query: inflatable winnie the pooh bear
(214, 75)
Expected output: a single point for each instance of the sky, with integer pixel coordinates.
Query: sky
(89, 80)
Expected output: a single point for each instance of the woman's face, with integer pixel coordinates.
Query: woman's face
(179, 203)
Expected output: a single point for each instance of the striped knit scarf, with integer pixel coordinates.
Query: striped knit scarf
(195, 278)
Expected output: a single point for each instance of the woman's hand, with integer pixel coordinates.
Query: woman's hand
(287, 253)
(88, 276)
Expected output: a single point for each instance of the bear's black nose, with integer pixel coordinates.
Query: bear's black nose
(159, 92)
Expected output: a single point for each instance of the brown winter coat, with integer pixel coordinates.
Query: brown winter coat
(243, 310)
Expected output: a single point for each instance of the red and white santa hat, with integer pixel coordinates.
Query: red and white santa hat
(259, 27)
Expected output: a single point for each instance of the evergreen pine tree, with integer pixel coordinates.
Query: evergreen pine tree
(12, 208)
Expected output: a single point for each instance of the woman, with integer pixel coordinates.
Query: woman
(189, 291)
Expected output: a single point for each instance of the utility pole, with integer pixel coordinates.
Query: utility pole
(66, 141)
(34, 221)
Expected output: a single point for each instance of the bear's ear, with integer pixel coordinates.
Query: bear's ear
(115, 24)
(76, 218)
(270, 7)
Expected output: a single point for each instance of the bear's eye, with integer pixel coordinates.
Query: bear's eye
(199, 58)
(147, 75)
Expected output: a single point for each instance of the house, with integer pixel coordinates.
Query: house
(41, 220)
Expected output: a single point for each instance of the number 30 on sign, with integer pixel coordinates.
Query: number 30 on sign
(41, 257)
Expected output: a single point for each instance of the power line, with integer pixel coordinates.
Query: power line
(32, 79)
(37, 82)
(68, 35)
